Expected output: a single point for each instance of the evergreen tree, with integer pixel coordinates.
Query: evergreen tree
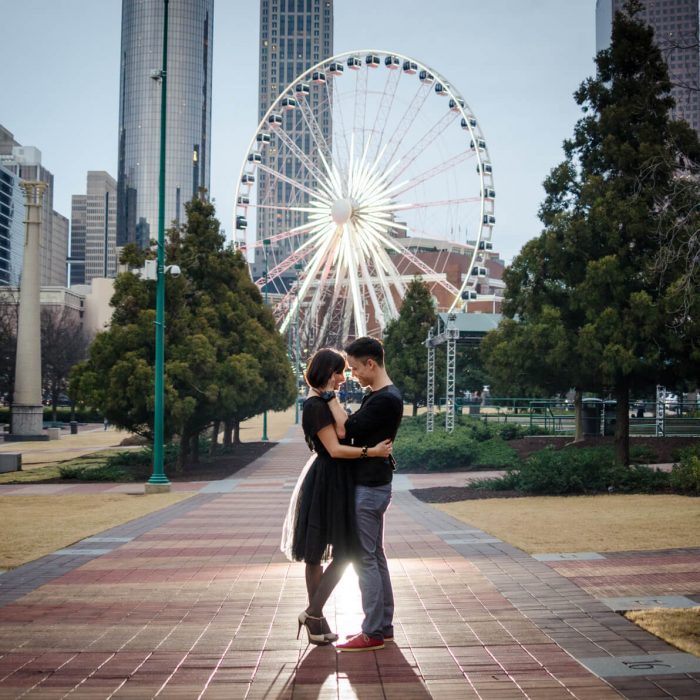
(224, 360)
(404, 343)
(595, 261)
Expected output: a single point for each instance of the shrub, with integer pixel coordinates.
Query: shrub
(511, 431)
(578, 471)
(495, 453)
(71, 471)
(507, 482)
(643, 454)
(437, 451)
(685, 475)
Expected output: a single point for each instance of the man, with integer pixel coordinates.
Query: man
(377, 419)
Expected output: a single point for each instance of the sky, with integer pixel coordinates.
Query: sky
(516, 62)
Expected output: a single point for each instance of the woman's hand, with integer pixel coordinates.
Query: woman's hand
(383, 449)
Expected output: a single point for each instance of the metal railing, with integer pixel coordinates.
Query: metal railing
(557, 416)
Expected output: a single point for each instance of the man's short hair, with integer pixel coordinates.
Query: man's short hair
(366, 348)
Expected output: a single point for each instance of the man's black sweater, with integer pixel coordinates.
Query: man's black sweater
(377, 419)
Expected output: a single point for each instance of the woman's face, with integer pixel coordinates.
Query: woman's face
(337, 378)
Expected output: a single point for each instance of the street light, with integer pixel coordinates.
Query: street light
(158, 481)
(266, 243)
(297, 364)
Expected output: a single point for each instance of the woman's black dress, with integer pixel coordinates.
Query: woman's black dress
(325, 513)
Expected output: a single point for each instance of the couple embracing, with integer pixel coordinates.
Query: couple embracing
(336, 513)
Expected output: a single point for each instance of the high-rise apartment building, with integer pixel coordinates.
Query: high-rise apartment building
(189, 76)
(25, 163)
(675, 24)
(76, 249)
(53, 262)
(11, 228)
(294, 35)
(98, 210)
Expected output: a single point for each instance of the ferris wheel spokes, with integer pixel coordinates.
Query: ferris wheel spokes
(428, 138)
(354, 166)
(407, 185)
(412, 110)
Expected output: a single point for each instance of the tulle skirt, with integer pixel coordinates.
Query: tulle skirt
(320, 521)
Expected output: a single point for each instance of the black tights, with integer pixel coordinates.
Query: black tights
(320, 584)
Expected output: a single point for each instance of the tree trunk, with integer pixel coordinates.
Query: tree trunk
(622, 426)
(228, 429)
(184, 453)
(578, 415)
(236, 432)
(214, 437)
(415, 409)
(194, 448)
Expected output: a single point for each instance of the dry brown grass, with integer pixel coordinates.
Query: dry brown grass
(585, 523)
(37, 525)
(680, 627)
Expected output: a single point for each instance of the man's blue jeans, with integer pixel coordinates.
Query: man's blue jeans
(371, 503)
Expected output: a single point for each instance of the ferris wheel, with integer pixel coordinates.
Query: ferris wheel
(368, 169)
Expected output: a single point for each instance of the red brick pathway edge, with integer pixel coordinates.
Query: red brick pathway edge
(197, 601)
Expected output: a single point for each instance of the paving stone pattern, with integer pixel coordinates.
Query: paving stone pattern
(197, 601)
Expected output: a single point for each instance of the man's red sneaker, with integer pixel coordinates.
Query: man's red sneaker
(389, 638)
(361, 642)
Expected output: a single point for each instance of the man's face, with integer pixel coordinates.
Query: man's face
(363, 372)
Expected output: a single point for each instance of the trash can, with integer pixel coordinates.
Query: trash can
(609, 417)
(74, 427)
(591, 410)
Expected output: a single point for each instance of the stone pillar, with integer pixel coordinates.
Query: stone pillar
(27, 409)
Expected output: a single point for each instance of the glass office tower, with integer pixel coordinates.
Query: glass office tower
(675, 24)
(11, 228)
(190, 35)
(294, 35)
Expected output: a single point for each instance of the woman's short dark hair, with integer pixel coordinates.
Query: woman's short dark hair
(364, 348)
(324, 363)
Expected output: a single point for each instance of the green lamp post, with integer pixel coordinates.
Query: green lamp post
(158, 480)
(266, 243)
(297, 347)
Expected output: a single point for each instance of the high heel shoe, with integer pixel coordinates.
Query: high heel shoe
(308, 621)
(330, 636)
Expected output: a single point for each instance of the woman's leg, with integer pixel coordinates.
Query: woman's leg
(328, 581)
(313, 573)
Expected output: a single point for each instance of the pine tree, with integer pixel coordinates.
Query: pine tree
(404, 343)
(595, 262)
(224, 359)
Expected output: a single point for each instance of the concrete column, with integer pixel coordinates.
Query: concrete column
(27, 409)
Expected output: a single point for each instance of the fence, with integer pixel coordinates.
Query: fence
(557, 416)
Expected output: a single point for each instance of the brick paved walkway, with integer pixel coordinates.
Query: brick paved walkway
(197, 601)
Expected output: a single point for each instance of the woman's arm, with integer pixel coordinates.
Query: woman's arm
(340, 417)
(329, 439)
(339, 414)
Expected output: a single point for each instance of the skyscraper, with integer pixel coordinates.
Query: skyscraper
(189, 74)
(76, 250)
(11, 228)
(93, 250)
(675, 24)
(25, 163)
(294, 35)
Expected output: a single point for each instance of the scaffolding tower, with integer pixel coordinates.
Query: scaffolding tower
(430, 401)
(452, 328)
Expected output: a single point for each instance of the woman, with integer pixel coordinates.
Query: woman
(320, 522)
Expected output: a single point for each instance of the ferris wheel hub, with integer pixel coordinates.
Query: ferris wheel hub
(342, 211)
